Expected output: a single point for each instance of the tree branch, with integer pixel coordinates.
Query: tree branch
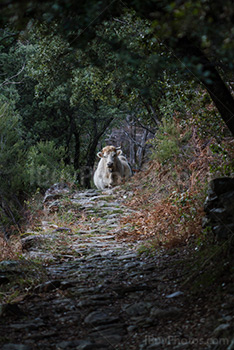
(7, 81)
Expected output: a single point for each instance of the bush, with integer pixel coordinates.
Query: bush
(12, 168)
(45, 165)
(168, 142)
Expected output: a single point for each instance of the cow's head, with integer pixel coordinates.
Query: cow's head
(109, 153)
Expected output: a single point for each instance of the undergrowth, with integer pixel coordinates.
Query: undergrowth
(10, 249)
(172, 191)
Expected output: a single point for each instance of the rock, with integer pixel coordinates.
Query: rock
(9, 265)
(227, 201)
(164, 313)
(218, 214)
(74, 344)
(127, 256)
(34, 241)
(56, 191)
(221, 328)
(11, 346)
(222, 185)
(4, 279)
(231, 345)
(99, 318)
(63, 229)
(87, 345)
(223, 231)
(51, 197)
(137, 309)
(211, 201)
(10, 309)
(131, 265)
(47, 286)
(54, 206)
(157, 344)
(131, 328)
(32, 325)
(111, 339)
(174, 295)
(219, 208)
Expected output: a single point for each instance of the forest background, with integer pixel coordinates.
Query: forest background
(77, 75)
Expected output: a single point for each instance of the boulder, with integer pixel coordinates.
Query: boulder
(219, 208)
(56, 191)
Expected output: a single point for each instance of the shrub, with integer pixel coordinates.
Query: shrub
(45, 165)
(12, 168)
(169, 140)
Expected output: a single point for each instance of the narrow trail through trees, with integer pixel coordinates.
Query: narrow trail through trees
(99, 292)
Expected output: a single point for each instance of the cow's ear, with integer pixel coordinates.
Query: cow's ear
(100, 155)
(119, 152)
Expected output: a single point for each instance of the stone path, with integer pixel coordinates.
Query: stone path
(99, 293)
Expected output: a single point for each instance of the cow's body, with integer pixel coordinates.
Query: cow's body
(112, 168)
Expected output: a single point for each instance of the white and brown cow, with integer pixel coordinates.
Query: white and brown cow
(112, 168)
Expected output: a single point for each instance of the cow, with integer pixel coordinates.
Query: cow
(112, 168)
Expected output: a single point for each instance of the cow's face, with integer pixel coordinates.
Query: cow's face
(109, 153)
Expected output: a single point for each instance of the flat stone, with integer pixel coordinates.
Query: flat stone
(34, 241)
(138, 308)
(12, 346)
(131, 265)
(34, 324)
(174, 295)
(98, 318)
(127, 256)
(87, 345)
(79, 345)
(103, 237)
(88, 303)
(47, 286)
(9, 264)
(221, 328)
(110, 339)
(165, 313)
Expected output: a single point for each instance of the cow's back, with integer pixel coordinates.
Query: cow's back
(126, 169)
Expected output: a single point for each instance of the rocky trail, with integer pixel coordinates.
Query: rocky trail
(100, 293)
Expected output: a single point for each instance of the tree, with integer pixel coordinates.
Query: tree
(12, 168)
(196, 33)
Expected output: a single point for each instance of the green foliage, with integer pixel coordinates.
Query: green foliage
(12, 170)
(45, 165)
(69, 86)
(223, 159)
(11, 149)
(167, 144)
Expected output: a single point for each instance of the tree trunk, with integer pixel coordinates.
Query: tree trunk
(214, 84)
(141, 150)
(77, 156)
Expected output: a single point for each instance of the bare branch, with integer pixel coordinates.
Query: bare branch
(132, 139)
(151, 131)
(8, 80)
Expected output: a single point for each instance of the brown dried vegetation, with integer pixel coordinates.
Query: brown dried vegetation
(171, 196)
(10, 250)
